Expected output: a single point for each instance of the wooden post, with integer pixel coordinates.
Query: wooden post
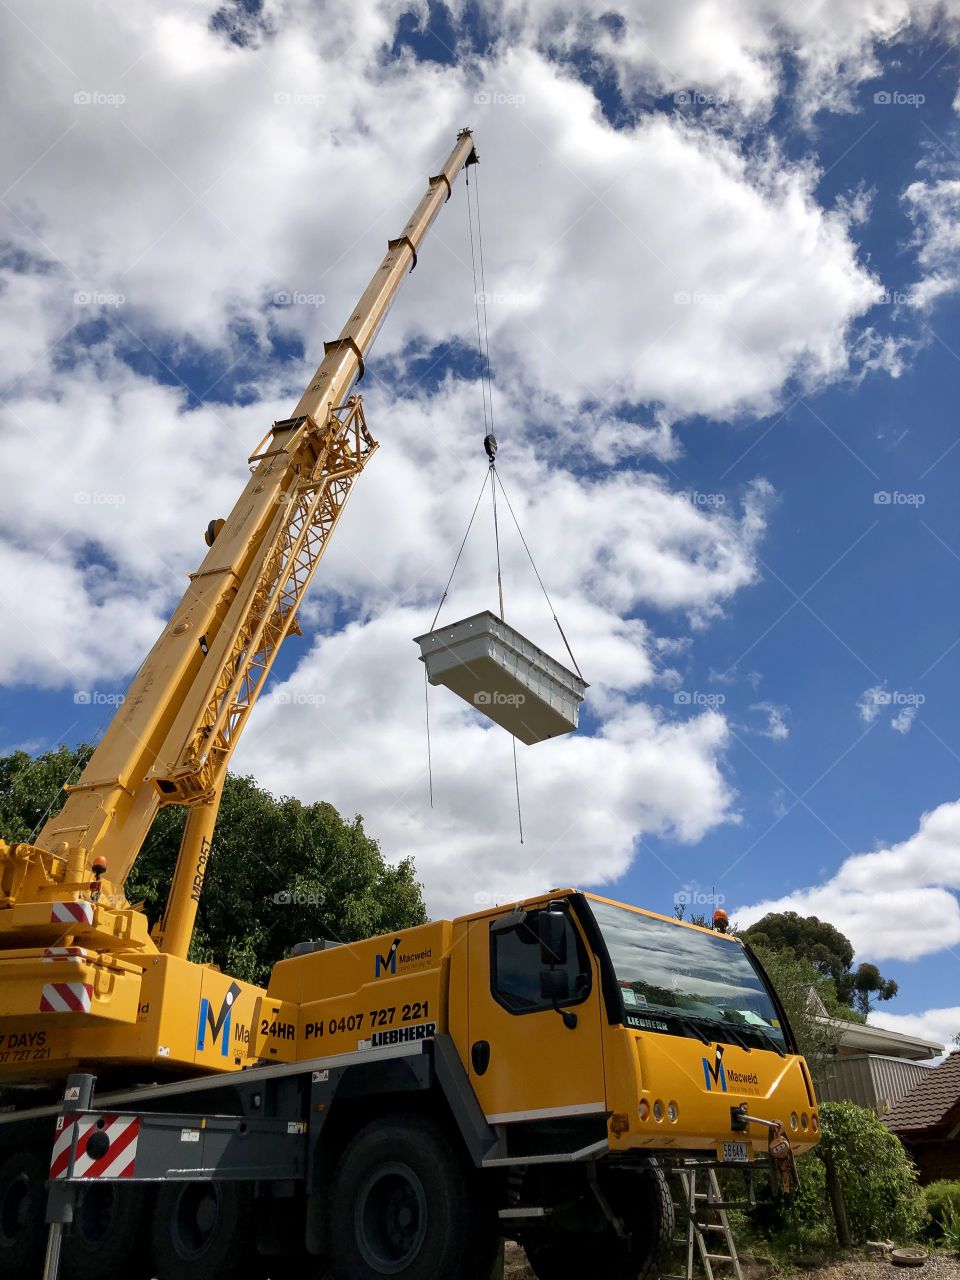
(836, 1197)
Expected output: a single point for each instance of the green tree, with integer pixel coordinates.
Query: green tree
(794, 978)
(828, 950)
(279, 871)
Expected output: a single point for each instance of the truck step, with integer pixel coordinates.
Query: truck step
(524, 1211)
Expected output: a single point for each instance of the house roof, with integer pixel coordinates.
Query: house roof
(930, 1103)
(866, 1038)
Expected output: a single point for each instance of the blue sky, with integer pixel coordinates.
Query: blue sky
(722, 280)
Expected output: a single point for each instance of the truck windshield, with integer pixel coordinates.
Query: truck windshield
(686, 983)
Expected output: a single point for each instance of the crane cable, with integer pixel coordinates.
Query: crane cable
(483, 350)
(490, 445)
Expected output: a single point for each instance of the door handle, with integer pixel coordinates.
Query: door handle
(480, 1056)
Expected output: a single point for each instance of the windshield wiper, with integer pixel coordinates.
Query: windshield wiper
(771, 1041)
(686, 1021)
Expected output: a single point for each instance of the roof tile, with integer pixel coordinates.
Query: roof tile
(928, 1104)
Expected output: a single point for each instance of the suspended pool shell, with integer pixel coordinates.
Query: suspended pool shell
(505, 676)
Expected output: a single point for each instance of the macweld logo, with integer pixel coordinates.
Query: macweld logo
(388, 963)
(218, 1025)
(714, 1074)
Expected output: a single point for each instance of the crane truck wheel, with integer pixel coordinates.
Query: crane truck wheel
(577, 1245)
(104, 1239)
(403, 1205)
(204, 1229)
(23, 1203)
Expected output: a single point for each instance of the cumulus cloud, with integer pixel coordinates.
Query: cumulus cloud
(586, 800)
(743, 279)
(898, 902)
(940, 1025)
(216, 173)
(708, 55)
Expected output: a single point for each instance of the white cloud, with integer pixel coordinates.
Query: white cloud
(934, 208)
(737, 56)
(898, 902)
(636, 277)
(776, 726)
(902, 722)
(879, 700)
(200, 176)
(939, 1025)
(586, 799)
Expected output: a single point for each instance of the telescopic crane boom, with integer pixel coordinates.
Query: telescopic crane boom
(171, 740)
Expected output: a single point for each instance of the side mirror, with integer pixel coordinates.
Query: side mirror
(552, 932)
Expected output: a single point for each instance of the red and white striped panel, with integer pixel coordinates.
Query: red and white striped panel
(120, 1158)
(66, 997)
(64, 953)
(71, 913)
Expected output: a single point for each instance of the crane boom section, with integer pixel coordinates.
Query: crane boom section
(172, 738)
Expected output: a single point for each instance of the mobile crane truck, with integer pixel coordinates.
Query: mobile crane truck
(385, 1108)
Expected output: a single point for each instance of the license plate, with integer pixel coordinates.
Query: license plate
(736, 1153)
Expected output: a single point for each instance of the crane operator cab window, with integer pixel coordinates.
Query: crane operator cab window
(538, 961)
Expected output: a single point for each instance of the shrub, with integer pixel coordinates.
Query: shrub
(939, 1197)
(876, 1178)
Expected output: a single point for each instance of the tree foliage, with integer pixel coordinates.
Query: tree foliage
(279, 871)
(876, 1178)
(793, 978)
(830, 953)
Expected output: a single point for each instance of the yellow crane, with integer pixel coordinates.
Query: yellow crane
(81, 974)
(534, 1070)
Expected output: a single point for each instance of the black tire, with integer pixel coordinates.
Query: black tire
(403, 1205)
(105, 1238)
(23, 1206)
(641, 1199)
(203, 1229)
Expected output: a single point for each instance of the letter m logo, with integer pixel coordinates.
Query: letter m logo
(714, 1074)
(388, 963)
(219, 1025)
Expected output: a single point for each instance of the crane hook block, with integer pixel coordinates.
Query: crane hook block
(490, 444)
